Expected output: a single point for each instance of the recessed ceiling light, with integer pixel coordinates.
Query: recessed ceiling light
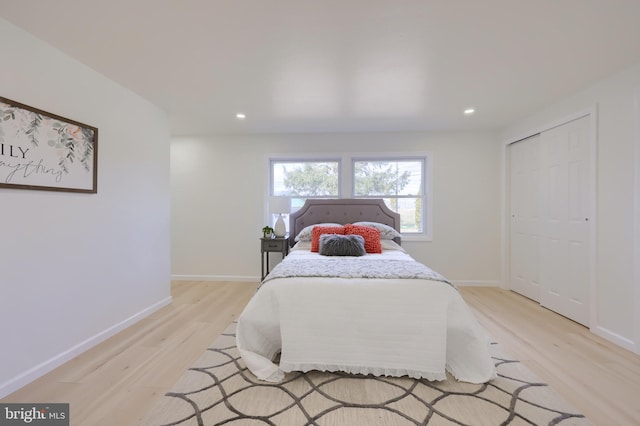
(469, 111)
(240, 116)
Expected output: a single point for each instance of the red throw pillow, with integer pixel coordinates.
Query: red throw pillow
(371, 237)
(319, 230)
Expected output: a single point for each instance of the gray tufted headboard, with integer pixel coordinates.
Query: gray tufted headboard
(343, 211)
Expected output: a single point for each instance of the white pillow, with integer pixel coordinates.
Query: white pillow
(302, 245)
(391, 245)
(305, 234)
(386, 232)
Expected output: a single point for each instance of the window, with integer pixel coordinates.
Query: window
(302, 179)
(400, 182)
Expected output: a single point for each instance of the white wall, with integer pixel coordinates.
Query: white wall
(218, 186)
(75, 268)
(616, 292)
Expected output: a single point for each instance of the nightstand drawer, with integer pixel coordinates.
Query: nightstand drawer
(273, 245)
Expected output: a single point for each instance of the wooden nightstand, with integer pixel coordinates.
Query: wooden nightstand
(268, 245)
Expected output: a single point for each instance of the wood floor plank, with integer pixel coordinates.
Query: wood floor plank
(117, 381)
(599, 378)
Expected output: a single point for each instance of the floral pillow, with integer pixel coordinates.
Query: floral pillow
(371, 237)
(386, 231)
(305, 234)
(320, 230)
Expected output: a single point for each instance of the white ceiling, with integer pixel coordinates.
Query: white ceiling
(341, 65)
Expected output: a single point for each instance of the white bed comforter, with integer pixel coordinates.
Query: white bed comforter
(395, 327)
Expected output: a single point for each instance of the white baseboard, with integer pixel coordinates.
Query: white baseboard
(247, 278)
(43, 368)
(477, 283)
(616, 338)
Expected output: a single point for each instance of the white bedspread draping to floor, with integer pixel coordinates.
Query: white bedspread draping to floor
(414, 327)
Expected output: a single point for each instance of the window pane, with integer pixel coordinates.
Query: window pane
(411, 212)
(400, 182)
(305, 179)
(377, 178)
(297, 203)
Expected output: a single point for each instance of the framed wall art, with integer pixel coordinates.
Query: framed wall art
(43, 151)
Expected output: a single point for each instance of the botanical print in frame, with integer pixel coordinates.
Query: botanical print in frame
(40, 150)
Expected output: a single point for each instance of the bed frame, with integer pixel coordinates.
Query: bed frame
(343, 211)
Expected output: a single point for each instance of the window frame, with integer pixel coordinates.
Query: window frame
(338, 160)
(427, 181)
(346, 180)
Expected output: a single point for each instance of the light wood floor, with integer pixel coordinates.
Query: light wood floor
(599, 378)
(116, 382)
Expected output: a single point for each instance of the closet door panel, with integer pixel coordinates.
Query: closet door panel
(524, 217)
(564, 248)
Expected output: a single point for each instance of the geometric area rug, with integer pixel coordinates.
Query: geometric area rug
(219, 390)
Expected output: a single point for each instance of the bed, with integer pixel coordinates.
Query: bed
(379, 313)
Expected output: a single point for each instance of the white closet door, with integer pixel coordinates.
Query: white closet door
(525, 185)
(564, 206)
